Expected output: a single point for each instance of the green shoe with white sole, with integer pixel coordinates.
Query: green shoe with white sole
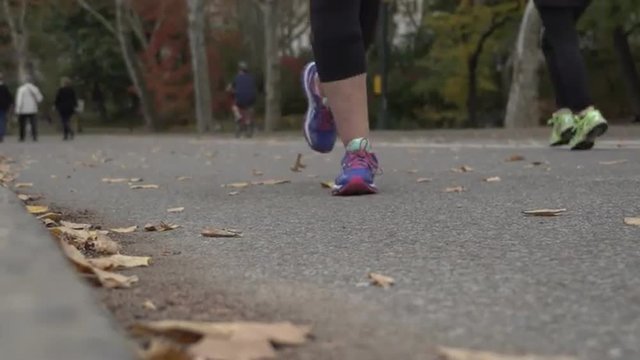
(563, 122)
(590, 124)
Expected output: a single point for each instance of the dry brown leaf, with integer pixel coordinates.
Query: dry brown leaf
(613, 162)
(135, 180)
(544, 212)
(298, 165)
(163, 350)
(175, 210)
(27, 197)
(125, 230)
(257, 172)
(105, 278)
(446, 353)
(234, 193)
(328, 184)
(75, 226)
(237, 185)
(77, 259)
(634, 221)
(37, 209)
(51, 216)
(215, 232)
(380, 280)
(184, 178)
(149, 305)
(144, 187)
(271, 182)
(111, 280)
(160, 227)
(462, 169)
(23, 185)
(515, 158)
(103, 244)
(232, 349)
(455, 189)
(115, 180)
(493, 179)
(279, 334)
(118, 261)
(49, 223)
(423, 180)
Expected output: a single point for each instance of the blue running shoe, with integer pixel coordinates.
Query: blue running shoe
(319, 125)
(358, 171)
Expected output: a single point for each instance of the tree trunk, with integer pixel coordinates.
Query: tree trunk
(627, 68)
(123, 32)
(522, 107)
(19, 37)
(472, 95)
(200, 64)
(272, 63)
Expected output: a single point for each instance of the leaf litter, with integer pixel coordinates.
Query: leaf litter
(380, 280)
(120, 262)
(37, 209)
(633, 221)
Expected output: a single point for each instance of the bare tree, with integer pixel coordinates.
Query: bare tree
(19, 34)
(522, 107)
(273, 111)
(197, 26)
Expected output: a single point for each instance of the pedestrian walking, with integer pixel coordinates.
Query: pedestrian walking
(6, 101)
(245, 93)
(26, 107)
(577, 122)
(66, 104)
(336, 88)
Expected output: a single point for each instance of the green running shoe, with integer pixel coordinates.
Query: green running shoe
(563, 122)
(589, 125)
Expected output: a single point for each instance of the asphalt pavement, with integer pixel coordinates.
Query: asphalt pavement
(471, 270)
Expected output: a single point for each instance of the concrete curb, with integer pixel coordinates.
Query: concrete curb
(46, 312)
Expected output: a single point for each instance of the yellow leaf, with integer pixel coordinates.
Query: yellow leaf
(37, 209)
(119, 262)
(634, 221)
(544, 212)
(446, 353)
(176, 210)
(125, 230)
(381, 280)
(215, 232)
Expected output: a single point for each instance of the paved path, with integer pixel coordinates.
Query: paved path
(471, 270)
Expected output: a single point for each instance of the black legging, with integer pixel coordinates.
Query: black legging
(342, 31)
(561, 47)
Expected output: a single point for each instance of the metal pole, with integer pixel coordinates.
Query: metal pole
(384, 63)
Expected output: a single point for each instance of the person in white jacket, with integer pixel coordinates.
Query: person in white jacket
(27, 100)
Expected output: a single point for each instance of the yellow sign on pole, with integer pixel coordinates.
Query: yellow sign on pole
(377, 84)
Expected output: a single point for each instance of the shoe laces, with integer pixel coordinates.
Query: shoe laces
(362, 160)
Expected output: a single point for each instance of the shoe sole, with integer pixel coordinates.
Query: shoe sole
(311, 100)
(565, 137)
(356, 186)
(590, 139)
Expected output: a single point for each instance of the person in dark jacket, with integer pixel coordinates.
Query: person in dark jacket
(576, 122)
(6, 101)
(245, 93)
(66, 104)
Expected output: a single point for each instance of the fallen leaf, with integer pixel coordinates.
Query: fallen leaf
(328, 184)
(119, 262)
(184, 178)
(412, 171)
(298, 165)
(37, 209)
(146, 186)
(515, 158)
(135, 180)
(23, 185)
(105, 278)
(237, 185)
(462, 169)
(175, 210)
(423, 180)
(271, 182)
(455, 189)
(613, 162)
(51, 216)
(111, 280)
(75, 226)
(102, 244)
(381, 280)
(544, 212)
(257, 172)
(493, 179)
(26, 197)
(189, 332)
(634, 221)
(163, 350)
(49, 223)
(125, 230)
(114, 180)
(231, 349)
(446, 353)
(215, 232)
(160, 227)
(234, 193)
(149, 305)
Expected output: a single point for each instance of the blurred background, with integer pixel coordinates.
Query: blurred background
(164, 65)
